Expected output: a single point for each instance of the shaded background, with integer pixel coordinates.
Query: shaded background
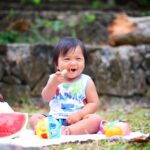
(30, 28)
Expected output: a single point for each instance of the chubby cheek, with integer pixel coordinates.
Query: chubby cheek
(82, 66)
(61, 66)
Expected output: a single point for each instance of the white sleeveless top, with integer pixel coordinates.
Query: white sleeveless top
(69, 97)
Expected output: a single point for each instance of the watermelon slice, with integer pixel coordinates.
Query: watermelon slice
(11, 124)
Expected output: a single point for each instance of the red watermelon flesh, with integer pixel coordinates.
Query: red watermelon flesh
(11, 124)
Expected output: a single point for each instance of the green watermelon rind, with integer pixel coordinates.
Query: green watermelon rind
(18, 132)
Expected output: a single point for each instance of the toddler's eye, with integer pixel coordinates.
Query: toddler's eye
(78, 58)
(66, 59)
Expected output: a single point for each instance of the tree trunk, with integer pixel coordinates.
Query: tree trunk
(129, 30)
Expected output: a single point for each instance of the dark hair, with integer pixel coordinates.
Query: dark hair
(64, 45)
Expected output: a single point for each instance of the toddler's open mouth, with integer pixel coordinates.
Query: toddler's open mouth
(72, 69)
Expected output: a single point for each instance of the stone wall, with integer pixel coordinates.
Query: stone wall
(122, 71)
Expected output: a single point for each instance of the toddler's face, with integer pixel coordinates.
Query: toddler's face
(73, 62)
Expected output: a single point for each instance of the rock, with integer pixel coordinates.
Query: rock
(117, 71)
(113, 71)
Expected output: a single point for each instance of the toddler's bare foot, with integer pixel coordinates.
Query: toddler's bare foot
(65, 130)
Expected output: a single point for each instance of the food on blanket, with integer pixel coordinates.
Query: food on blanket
(124, 127)
(11, 124)
(114, 128)
(48, 128)
(113, 131)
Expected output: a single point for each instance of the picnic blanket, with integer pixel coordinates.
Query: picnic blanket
(28, 139)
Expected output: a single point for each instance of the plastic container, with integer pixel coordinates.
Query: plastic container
(48, 128)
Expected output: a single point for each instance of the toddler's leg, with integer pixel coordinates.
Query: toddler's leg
(90, 124)
(34, 119)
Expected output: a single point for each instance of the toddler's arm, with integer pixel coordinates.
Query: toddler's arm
(91, 106)
(93, 102)
(49, 90)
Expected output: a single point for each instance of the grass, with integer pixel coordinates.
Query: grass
(137, 116)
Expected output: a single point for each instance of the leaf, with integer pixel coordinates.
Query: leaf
(36, 1)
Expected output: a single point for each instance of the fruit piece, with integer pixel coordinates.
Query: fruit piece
(64, 72)
(11, 124)
(113, 131)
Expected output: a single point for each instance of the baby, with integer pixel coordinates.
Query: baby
(72, 95)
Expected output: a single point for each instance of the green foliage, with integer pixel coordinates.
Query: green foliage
(148, 93)
(8, 36)
(145, 14)
(99, 4)
(143, 2)
(37, 2)
(45, 23)
(34, 35)
(56, 25)
(86, 20)
(90, 18)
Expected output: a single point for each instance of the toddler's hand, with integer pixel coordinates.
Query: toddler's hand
(59, 77)
(75, 117)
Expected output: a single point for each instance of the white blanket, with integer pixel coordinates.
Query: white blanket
(28, 139)
(5, 108)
